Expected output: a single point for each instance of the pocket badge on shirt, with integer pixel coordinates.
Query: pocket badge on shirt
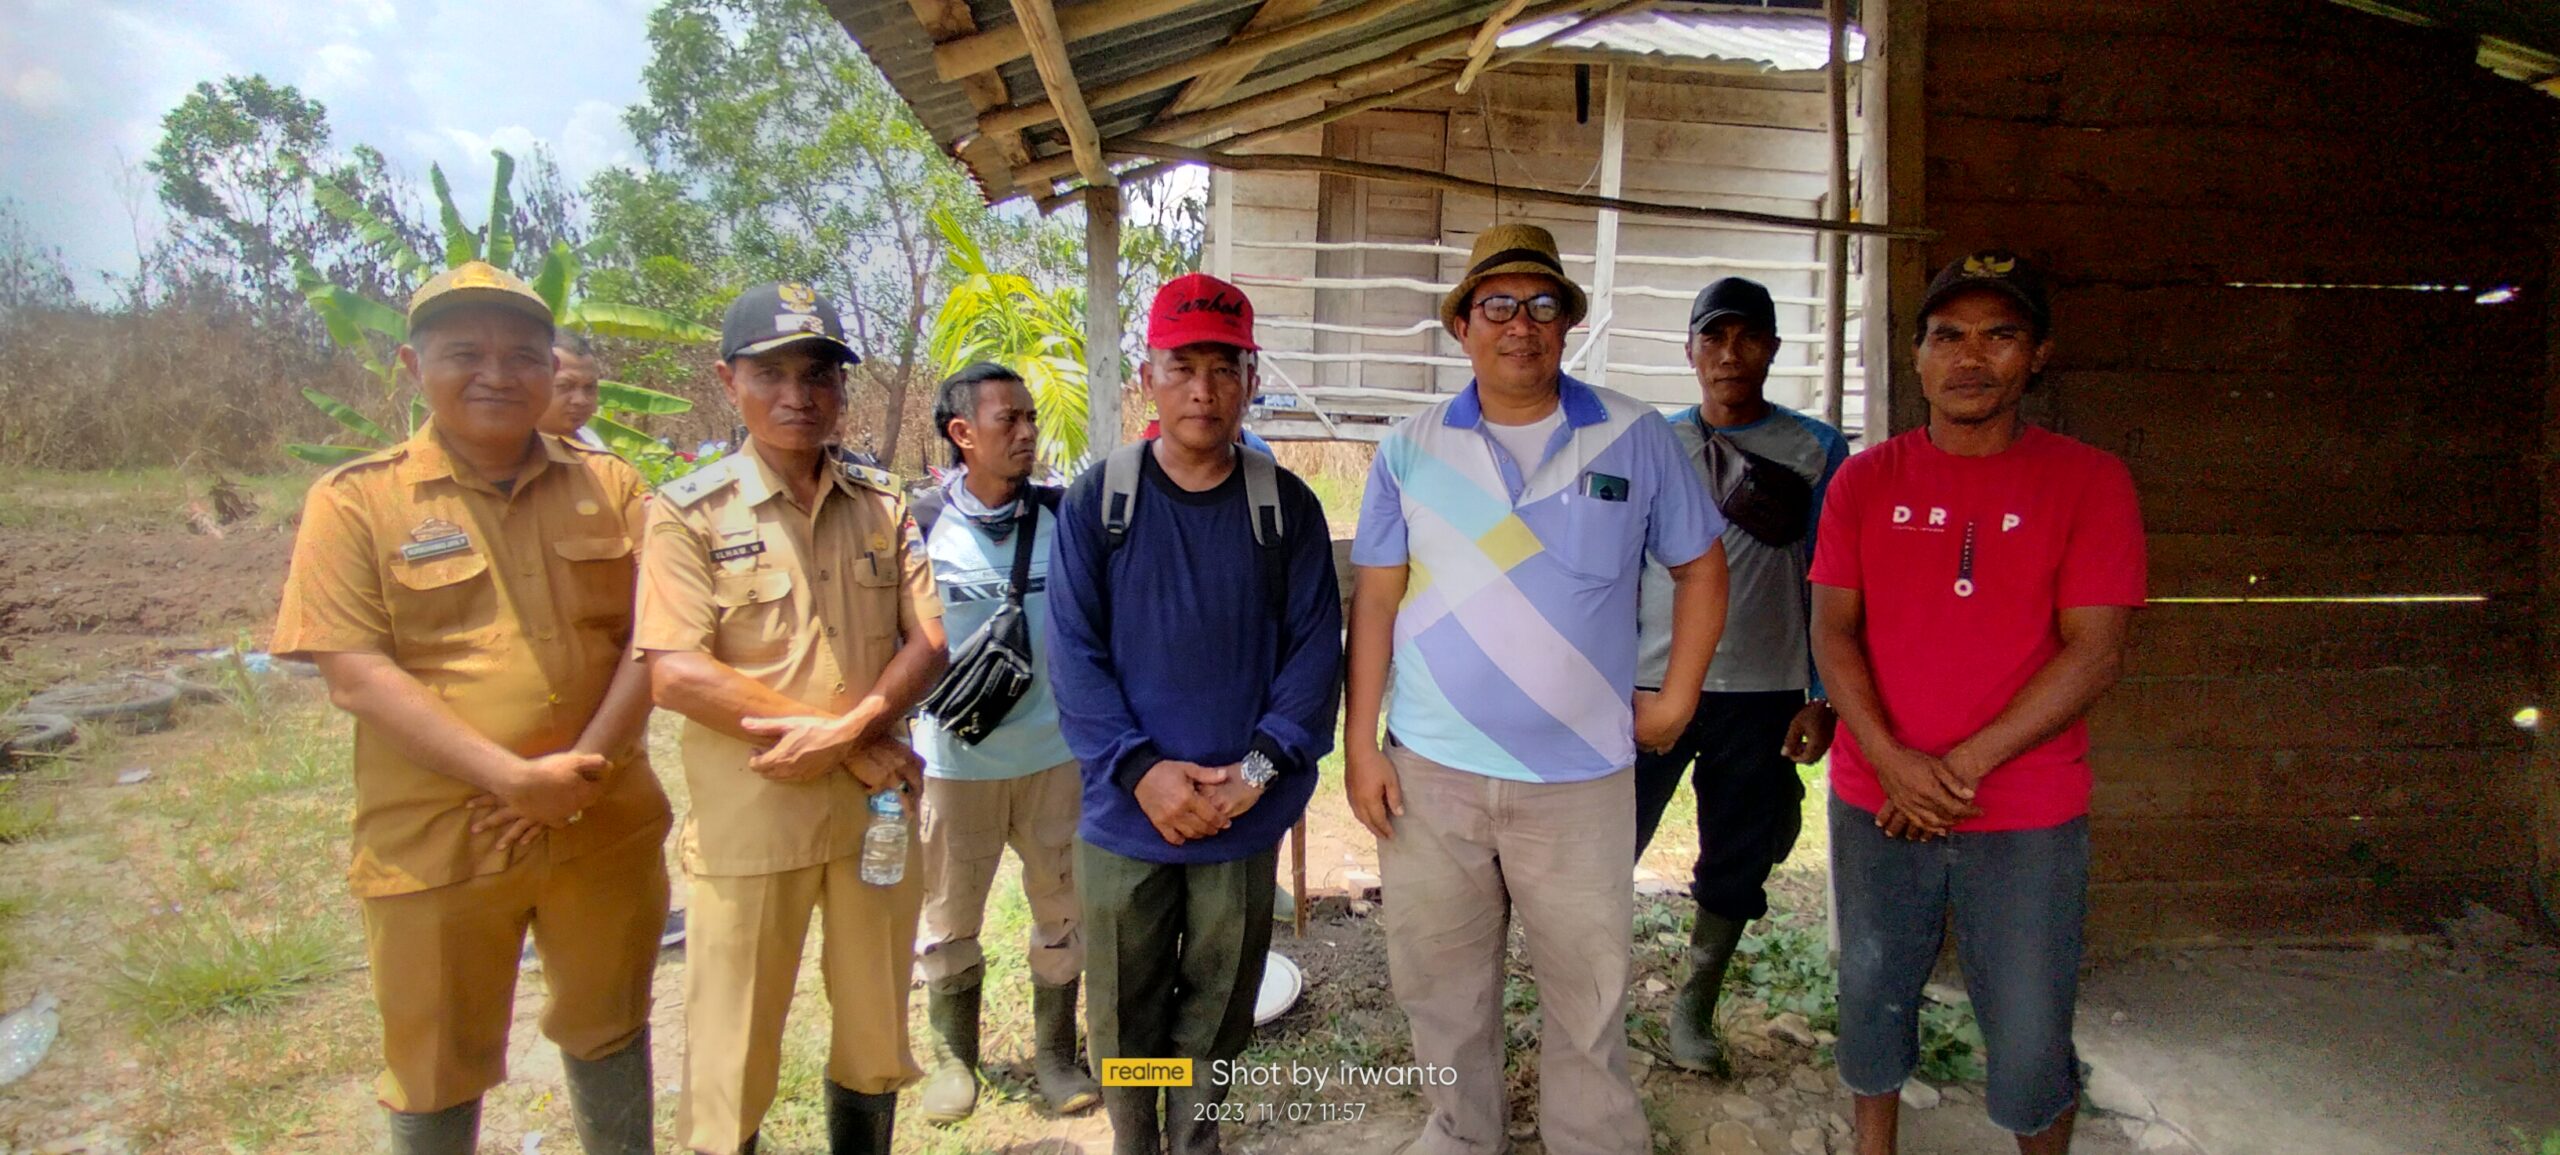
(434, 538)
(1604, 487)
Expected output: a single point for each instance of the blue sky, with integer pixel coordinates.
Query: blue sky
(83, 84)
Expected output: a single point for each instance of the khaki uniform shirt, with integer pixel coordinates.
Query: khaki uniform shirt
(514, 608)
(811, 603)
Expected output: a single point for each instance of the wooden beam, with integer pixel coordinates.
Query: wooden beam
(1101, 320)
(1480, 51)
(1362, 170)
(1039, 21)
(1184, 130)
(1835, 296)
(1613, 170)
(1207, 87)
(984, 51)
(944, 20)
(1034, 113)
(1905, 163)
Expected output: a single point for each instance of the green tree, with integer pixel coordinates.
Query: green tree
(1008, 318)
(371, 329)
(810, 164)
(240, 166)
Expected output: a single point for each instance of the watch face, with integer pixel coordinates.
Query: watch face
(1258, 770)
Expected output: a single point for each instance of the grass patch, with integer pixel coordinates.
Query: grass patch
(134, 498)
(24, 819)
(191, 966)
(1787, 967)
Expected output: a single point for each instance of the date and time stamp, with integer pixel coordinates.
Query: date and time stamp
(1270, 1093)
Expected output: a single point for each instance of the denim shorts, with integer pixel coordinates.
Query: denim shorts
(2017, 898)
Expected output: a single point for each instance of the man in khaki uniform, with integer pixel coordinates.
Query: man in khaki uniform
(467, 595)
(787, 611)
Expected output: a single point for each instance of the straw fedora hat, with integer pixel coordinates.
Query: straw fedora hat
(1513, 249)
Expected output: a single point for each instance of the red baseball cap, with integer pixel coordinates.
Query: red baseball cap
(1197, 307)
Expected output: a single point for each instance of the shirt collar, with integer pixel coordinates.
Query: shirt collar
(1582, 405)
(424, 458)
(757, 482)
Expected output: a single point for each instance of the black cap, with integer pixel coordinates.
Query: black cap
(1734, 297)
(1999, 270)
(768, 317)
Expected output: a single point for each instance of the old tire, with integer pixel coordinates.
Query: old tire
(196, 681)
(30, 733)
(135, 701)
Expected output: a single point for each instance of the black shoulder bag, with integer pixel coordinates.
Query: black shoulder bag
(991, 672)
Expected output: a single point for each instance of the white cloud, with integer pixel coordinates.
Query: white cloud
(37, 91)
(84, 83)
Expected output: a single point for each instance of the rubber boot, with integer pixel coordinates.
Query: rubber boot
(610, 1099)
(452, 1131)
(1137, 1128)
(1188, 1128)
(950, 1093)
(1063, 1081)
(1694, 1045)
(859, 1124)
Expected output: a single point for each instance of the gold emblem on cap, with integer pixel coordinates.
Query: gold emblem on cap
(1986, 265)
(797, 297)
(476, 275)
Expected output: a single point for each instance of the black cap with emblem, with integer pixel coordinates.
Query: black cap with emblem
(768, 317)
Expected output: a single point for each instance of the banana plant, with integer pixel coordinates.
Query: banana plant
(1008, 319)
(371, 330)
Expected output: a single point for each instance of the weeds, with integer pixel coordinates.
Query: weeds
(22, 819)
(194, 966)
(1788, 968)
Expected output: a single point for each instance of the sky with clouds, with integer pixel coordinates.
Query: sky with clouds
(84, 83)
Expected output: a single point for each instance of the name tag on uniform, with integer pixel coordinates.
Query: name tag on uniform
(436, 547)
(1603, 487)
(735, 552)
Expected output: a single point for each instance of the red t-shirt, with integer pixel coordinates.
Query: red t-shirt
(1964, 565)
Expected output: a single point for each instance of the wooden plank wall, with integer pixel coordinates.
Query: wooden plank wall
(2283, 771)
(1733, 141)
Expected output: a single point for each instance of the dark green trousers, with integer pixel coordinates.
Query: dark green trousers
(1173, 960)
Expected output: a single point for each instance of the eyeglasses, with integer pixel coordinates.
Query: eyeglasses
(1543, 308)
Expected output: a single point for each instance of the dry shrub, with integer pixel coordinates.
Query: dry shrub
(171, 384)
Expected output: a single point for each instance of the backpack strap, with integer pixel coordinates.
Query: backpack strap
(1262, 489)
(1026, 525)
(1262, 495)
(1120, 489)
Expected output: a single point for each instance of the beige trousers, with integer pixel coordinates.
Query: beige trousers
(966, 826)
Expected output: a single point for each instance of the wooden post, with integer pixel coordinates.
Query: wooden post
(1101, 320)
(1835, 296)
(1905, 270)
(1613, 167)
(1222, 224)
(2546, 746)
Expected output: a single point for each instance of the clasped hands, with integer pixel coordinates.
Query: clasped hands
(1186, 800)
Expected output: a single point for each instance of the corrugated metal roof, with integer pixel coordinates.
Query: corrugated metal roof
(1779, 41)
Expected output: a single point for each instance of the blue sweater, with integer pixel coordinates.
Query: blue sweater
(1168, 648)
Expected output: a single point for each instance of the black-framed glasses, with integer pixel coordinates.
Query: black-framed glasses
(1543, 308)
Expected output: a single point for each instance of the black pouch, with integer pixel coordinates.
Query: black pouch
(1772, 503)
(991, 672)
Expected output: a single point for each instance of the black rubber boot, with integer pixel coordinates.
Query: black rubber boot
(610, 1100)
(859, 1124)
(1694, 1045)
(1137, 1127)
(452, 1131)
(950, 1092)
(1063, 1080)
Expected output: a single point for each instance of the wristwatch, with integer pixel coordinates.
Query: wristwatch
(1258, 770)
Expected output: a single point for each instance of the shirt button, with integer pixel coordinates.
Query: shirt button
(554, 699)
(831, 631)
(545, 634)
(822, 575)
(839, 687)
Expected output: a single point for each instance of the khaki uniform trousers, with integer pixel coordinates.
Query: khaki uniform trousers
(444, 964)
(744, 935)
(967, 824)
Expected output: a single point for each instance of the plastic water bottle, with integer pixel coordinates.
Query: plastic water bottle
(26, 1035)
(884, 846)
